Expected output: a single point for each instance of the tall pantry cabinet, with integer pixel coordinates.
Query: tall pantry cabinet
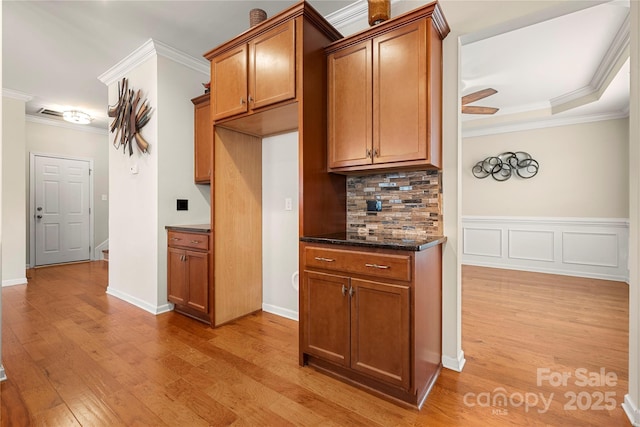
(269, 80)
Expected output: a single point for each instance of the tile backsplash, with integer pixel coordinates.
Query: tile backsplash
(411, 204)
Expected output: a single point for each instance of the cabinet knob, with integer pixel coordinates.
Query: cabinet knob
(344, 290)
(175, 238)
(376, 152)
(368, 153)
(251, 98)
(242, 101)
(195, 242)
(351, 291)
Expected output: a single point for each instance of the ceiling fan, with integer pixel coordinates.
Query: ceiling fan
(476, 96)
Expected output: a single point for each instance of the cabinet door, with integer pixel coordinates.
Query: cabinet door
(229, 83)
(203, 133)
(177, 279)
(197, 275)
(400, 94)
(380, 331)
(350, 105)
(326, 316)
(272, 65)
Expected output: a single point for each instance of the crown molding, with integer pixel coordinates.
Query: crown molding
(148, 50)
(542, 124)
(508, 111)
(14, 94)
(199, 65)
(127, 64)
(613, 60)
(616, 55)
(66, 125)
(348, 14)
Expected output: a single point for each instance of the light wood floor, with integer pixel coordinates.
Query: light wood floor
(76, 356)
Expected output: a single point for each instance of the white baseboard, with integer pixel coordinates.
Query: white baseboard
(140, 303)
(454, 363)
(14, 282)
(97, 253)
(280, 311)
(583, 247)
(3, 375)
(632, 411)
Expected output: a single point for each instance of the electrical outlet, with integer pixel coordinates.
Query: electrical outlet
(374, 205)
(288, 204)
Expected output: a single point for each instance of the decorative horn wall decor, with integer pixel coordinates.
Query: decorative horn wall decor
(129, 119)
(502, 166)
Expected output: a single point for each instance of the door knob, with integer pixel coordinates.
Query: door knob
(39, 208)
(39, 216)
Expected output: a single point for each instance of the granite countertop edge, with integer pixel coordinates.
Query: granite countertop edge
(415, 246)
(198, 228)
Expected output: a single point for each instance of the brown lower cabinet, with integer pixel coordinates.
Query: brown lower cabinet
(373, 318)
(188, 284)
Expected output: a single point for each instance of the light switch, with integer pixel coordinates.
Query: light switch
(288, 204)
(134, 169)
(104, 197)
(182, 204)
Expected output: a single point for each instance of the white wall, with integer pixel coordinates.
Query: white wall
(177, 84)
(143, 203)
(632, 399)
(46, 138)
(279, 226)
(583, 172)
(13, 193)
(133, 213)
(568, 219)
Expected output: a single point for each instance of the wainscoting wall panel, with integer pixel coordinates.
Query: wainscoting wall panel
(483, 242)
(584, 247)
(531, 245)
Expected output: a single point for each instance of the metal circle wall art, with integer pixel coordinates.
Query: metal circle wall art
(129, 119)
(502, 166)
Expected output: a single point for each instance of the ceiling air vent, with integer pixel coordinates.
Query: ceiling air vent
(50, 113)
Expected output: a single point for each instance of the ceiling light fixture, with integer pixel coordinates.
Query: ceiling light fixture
(77, 117)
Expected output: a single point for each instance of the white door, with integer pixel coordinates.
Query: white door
(62, 198)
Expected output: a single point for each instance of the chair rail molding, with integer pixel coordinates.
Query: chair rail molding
(584, 247)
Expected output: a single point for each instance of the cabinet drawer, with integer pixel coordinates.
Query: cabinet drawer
(360, 262)
(188, 240)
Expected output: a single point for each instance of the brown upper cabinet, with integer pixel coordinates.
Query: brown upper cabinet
(268, 80)
(203, 139)
(385, 94)
(256, 74)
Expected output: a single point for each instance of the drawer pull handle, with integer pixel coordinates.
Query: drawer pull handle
(383, 267)
(319, 258)
(175, 238)
(195, 242)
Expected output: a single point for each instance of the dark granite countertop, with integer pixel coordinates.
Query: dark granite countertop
(198, 228)
(377, 241)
